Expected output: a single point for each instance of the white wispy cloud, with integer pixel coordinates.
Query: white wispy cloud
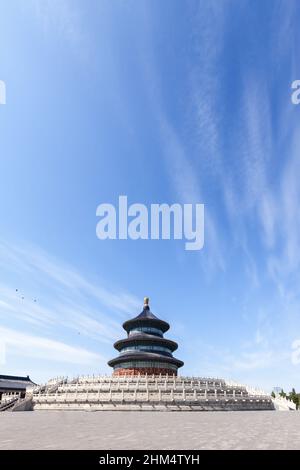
(187, 187)
(181, 170)
(249, 360)
(283, 262)
(234, 146)
(39, 347)
(49, 293)
(204, 91)
(63, 21)
(255, 197)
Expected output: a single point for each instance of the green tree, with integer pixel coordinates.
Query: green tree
(294, 397)
(282, 394)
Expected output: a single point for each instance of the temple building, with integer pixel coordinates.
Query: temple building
(145, 378)
(12, 386)
(145, 350)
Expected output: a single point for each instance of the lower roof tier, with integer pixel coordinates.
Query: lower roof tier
(144, 357)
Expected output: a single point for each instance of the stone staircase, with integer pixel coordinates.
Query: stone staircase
(161, 393)
(283, 404)
(7, 405)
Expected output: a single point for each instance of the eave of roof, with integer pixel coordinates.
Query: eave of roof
(17, 378)
(146, 339)
(145, 356)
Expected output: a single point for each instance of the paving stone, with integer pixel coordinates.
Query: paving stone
(150, 430)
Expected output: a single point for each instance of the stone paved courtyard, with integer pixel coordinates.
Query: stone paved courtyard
(150, 430)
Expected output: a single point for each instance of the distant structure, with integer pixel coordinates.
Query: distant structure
(145, 350)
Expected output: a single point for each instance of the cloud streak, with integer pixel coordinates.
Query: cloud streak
(39, 347)
(51, 294)
(65, 19)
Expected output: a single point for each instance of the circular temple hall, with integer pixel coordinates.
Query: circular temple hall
(145, 350)
(144, 378)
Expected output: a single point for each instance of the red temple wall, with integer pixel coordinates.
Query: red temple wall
(144, 371)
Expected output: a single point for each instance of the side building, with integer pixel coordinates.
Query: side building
(12, 386)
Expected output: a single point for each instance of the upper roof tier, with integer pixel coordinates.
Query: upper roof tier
(146, 318)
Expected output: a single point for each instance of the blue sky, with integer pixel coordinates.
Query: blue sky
(163, 102)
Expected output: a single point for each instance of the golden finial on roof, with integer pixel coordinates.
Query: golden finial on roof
(146, 301)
